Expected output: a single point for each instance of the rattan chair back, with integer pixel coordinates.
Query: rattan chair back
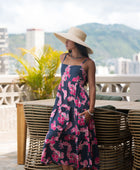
(37, 119)
(134, 125)
(114, 139)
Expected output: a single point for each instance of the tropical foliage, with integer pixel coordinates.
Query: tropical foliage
(39, 78)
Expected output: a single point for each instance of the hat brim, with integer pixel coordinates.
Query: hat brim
(67, 36)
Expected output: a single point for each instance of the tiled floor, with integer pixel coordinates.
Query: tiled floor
(9, 162)
(8, 151)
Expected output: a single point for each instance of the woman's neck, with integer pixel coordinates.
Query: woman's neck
(75, 54)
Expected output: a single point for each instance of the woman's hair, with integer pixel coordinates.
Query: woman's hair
(82, 50)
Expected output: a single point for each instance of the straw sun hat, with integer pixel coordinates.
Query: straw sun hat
(76, 35)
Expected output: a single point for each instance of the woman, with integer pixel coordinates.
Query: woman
(71, 141)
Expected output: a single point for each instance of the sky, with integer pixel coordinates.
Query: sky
(58, 15)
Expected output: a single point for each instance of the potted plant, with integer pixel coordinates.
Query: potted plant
(40, 78)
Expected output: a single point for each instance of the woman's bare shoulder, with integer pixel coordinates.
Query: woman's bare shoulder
(90, 63)
(62, 56)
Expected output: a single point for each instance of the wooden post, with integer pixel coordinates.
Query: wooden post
(21, 135)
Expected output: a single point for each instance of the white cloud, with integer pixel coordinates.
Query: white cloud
(57, 15)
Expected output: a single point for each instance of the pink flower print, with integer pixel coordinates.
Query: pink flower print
(66, 75)
(64, 162)
(67, 138)
(59, 87)
(71, 159)
(84, 163)
(72, 88)
(60, 99)
(61, 155)
(75, 157)
(97, 160)
(81, 122)
(85, 100)
(61, 119)
(90, 162)
(79, 157)
(76, 102)
(82, 95)
(91, 126)
(59, 128)
(69, 147)
(69, 125)
(95, 141)
(53, 113)
(76, 78)
(55, 157)
(75, 130)
(52, 141)
(53, 125)
(60, 145)
(67, 71)
(44, 152)
(82, 82)
(72, 137)
(46, 140)
(76, 112)
(70, 98)
(64, 78)
(85, 130)
(65, 93)
(65, 106)
(79, 104)
(82, 145)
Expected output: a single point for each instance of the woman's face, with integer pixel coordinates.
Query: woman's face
(70, 45)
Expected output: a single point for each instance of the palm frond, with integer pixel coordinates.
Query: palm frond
(40, 78)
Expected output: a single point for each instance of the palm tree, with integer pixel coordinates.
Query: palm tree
(39, 79)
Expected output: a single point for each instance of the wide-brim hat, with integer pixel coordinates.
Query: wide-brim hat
(76, 35)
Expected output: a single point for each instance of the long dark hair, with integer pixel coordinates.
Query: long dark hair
(82, 50)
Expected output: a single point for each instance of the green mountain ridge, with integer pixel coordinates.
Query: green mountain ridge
(107, 41)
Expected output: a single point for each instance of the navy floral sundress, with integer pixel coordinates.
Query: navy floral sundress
(70, 140)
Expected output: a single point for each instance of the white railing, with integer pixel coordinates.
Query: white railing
(119, 85)
(11, 91)
(128, 87)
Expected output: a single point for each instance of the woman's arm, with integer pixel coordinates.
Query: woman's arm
(92, 90)
(92, 85)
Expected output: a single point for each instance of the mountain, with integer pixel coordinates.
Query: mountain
(107, 41)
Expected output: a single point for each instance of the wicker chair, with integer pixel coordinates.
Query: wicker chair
(134, 125)
(37, 119)
(114, 140)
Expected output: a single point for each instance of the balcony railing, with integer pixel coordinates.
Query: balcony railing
(119, 85)
(128, 87)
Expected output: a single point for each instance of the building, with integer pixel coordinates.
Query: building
(128, 66)
(34, 38)
(136, 57)
(3, 49)
(102, 70)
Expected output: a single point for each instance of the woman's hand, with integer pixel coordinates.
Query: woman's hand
(87, 116)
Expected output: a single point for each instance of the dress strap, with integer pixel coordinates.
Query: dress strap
(84, 61)
(64, 57)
